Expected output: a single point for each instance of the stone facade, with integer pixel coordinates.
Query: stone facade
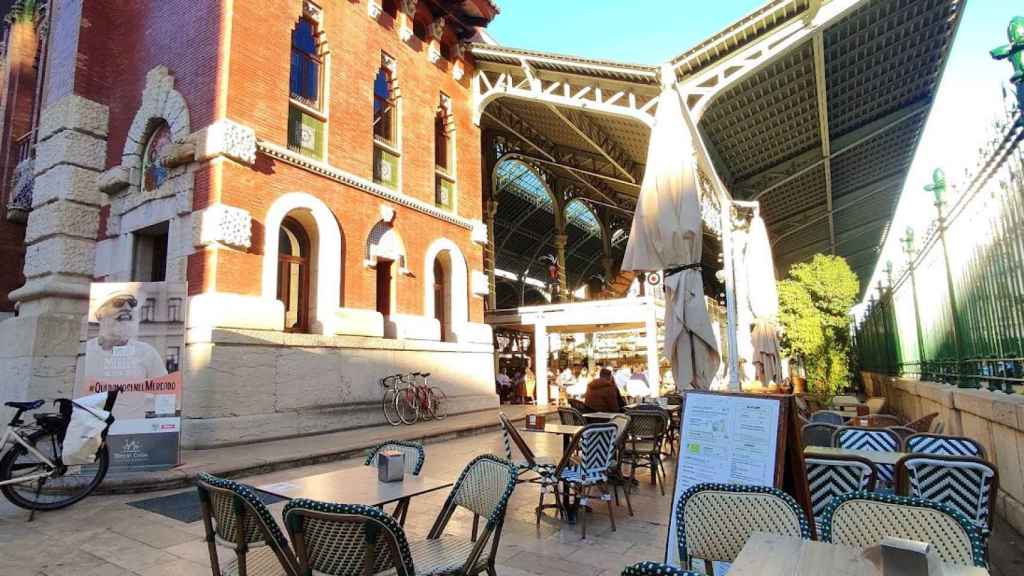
(230, 180)
(994, 419)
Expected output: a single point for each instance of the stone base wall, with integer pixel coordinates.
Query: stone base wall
(243, 386)
(994, 419)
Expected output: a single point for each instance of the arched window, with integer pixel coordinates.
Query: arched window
(442, 141)
(306, 115)
(293, 275)
(153, 171)
(305, 72)
(444, 152)
(386, 161)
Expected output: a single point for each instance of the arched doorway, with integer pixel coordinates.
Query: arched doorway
(441, 296)
(293, 253)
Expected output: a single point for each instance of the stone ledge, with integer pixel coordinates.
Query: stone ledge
(243, 337)
(74, 112)
(993, 406)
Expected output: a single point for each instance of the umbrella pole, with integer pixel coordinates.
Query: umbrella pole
(730, 293)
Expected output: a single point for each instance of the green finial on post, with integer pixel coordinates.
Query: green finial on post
(938, 186)
(1014, 53)
(908, 241)
(888, 272)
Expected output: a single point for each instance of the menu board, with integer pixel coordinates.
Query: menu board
(726, 438)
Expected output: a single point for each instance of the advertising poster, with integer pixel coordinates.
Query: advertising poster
(134, 344)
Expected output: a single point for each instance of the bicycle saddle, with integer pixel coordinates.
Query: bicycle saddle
(25, 405)
(425, 374)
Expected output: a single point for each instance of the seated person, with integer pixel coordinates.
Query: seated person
(602, 394)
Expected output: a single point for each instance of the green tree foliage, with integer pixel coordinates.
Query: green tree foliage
(814, 305)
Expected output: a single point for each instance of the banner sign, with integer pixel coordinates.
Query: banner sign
(135, 341)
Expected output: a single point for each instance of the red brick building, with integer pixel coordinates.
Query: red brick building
(311, 169)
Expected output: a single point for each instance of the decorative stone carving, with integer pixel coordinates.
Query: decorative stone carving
(479, 284)
(312, 11)
(405, 33)
(433, 55)
(221, 224)
(479, 233)
(178, 154)
(458, 70)
(21, 192)
(226, 138)
(114, 180)
(408, 7)
(437, 28)
(374, 9)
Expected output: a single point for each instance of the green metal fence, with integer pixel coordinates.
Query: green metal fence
(954, 311)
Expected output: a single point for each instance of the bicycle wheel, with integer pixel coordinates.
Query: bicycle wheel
(56, 491)
(406, 404)
(390, 408)
(438, 403)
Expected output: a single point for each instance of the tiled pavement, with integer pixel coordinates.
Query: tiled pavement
(102, 536)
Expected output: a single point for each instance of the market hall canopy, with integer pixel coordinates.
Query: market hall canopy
(812, 108)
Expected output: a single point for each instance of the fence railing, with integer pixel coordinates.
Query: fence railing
(955, 311)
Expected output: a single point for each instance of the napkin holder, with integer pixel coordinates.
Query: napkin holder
(535, 421)
(390, 466)
(902, 557)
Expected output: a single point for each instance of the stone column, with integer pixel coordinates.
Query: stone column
(540, 363)
(39, 347)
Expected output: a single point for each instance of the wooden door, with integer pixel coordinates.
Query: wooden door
(293, 275)
(440, 302)
(384, 286)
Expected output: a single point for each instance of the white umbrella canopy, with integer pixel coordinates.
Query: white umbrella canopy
(763, 298)
(667, 234)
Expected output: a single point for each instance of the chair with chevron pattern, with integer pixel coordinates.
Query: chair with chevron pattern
(529, 462)
(596, 446)
(864, 519)
(939, 444)
(965, 483)
(655, 569)
(830, 476)
(871, 440)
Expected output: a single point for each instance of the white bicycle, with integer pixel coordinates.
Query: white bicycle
(32, 475)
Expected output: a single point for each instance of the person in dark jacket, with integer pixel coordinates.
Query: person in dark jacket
(602, 394)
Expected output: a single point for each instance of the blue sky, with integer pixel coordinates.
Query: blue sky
(654, 31)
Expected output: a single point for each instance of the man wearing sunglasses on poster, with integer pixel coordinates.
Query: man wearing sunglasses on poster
(116, 354)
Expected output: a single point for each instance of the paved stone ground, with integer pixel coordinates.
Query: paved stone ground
(103, 536)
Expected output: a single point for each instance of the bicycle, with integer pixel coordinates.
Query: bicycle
(408, 401)
(32, 475)
(420, 400)
(390, 386)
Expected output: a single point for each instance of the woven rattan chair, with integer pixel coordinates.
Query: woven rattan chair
(875, 421)
(596, 446)
(871, 440)
(938, 444)
(616, 478)
(655, 569)
(571, 416)
(483, 488)
(235, 517)
(415, 456)
(903, 432)
(924, 423)
(648, 429)
(964, 483)
(529, 462)
(818, 434)
(831, 476)
(346, 539)
(863, 519)
(715, 520)
(829, 417)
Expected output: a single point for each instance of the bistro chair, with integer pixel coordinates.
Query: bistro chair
(346, 539)
(938, 444)
(570, 416)
(937, 427)
(529, 462)
(924, 423)
(875, 421)
(483, 488)
(863, 519)
(829, 417)
(830, 476)
(871, 440)
(236, 518)
(615, 475)
(655, 569)
(903, 432)
(596, 446)
(415, 456)
(715, 520)
(964, 483)
(818, 434)
(646, 434)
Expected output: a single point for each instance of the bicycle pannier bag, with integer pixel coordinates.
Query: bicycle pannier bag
(85, 430)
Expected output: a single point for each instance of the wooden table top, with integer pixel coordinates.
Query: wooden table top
(876, 457)
(354, 486)
(564, 429)
(667, 407)
(773, 555)
(600, 415)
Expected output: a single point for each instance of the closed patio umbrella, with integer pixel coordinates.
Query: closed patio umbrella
(763, 298)
(667, 234)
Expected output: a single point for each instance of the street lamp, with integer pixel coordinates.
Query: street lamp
(938, 189)
(1014, 53)
(908, 249)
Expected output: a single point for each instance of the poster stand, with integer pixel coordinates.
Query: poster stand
(787, 468)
